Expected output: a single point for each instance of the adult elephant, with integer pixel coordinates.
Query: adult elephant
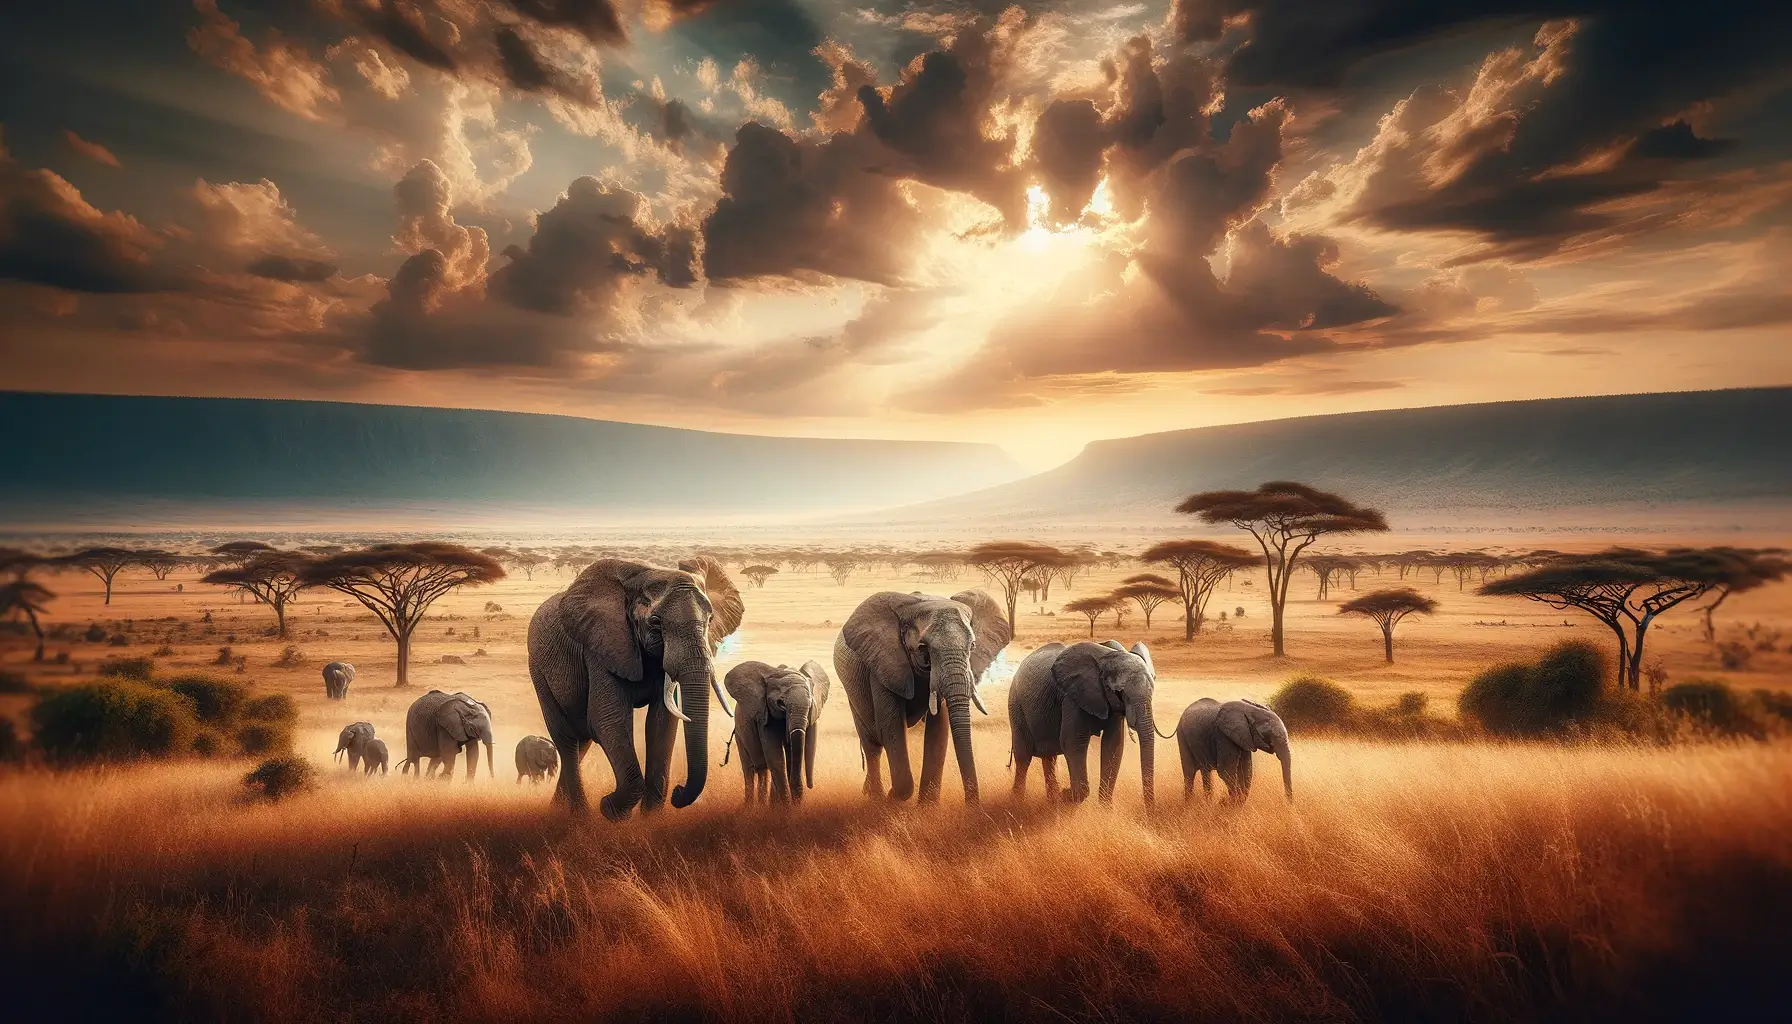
(1213, 736)
(438, 725)
(776, 712)
(353, 741)
(536, 758)
(907, 657)
(376, 756)
(337, 676)
(1065, 694)
(627, 635)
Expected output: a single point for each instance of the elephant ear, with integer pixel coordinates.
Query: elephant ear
(726, 607)
(350, 671)
(874, 635)
(745, 682)
(1144, 655)
(1077, 675)
(594, 611)
(818, 682)
(1115, 644)
(1234, 723)
(990, 626)
(453, 717)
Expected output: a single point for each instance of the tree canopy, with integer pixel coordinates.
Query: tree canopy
(1092, 607)
(1009, 562)
(398, 582)
(1386, 608)
(272, 577)
(103, 562)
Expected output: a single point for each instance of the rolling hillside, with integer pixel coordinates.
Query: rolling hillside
(94, 455)
(1516, 459)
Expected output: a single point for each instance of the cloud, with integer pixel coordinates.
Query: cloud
(1323, 387)
(51, 236)
(426, 198)
(400, 26)
(586, 246)
(91, 150)
(596, 20)
(280, 70)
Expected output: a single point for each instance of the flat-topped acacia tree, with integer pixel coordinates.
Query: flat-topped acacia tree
(272, 577)
(759, 573)
(398, 583)
(236, 552)
(27, 599)
(1148, 590)
(1009, 562)
(1094, 607)
(1387, 608)
(1751, 568)
(1286, 518)
(1200, 566)
(104, 563)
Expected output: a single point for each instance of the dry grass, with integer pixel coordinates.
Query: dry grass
(1437, 881)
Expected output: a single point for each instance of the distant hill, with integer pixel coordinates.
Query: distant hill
(1511, 458)
(88, 455)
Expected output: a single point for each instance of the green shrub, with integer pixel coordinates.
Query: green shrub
(258, 738)
(1776, 703)
(1310, 703)
(1413, 703)
(217, 702)
(113, 721)
(136, 669)
(271, 707)
(1712, 706)
(208, 744)
(1564, 690)
(95, 634)
(281, 777)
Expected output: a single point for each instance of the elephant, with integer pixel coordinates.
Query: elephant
(1064, 694)
(536, 758)
(1213, 736)
(776, 713)
(438, 725)
(353, 741)
(337, 676)
(900, 658)
(627, 635)
(375, 756)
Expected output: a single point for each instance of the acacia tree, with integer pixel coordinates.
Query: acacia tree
(1285, 518)
(759, 573)
(104, 563)
(398, 583)
(1148, 590)
(160, 563)
(1200, 566)
(1387, 608)
(841, 567)
(1752, 567)
(272, 577)
(29, 599)
(237, 552)
(1093, 607)
(938, 565)
(1624, 588)
(1008, 562)
(1324, 567)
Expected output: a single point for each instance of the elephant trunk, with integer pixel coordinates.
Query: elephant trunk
(955, 681)
(796, 739)
(1280, 746)
(1145, 724)
(491, 763)
(472, 759)
(694, 685)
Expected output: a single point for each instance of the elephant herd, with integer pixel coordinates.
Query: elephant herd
(628, 635)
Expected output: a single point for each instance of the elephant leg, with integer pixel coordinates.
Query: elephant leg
(612, 721)
(933, 757)
(1048, 766)
(662, 729)
(354, 760)
(762, 786)
(450, 754)
(747, 780)
(894, 731)
(572, 747)
(1207, 783)
(1113, 748)
(874, 768)
(1020, 776)
(1235, 772)
(1076, 758)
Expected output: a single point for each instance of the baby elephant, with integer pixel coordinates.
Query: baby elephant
(1213, 736)
(1064, 695)
(337, 676)
(775, 718)
(374, 756)
(536, 758)
(353, 741)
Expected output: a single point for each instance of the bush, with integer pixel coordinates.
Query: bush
(217, 702)
(164, 651)
(136, 669)
(290, 657)
(258, 738)
(11, 747)
(1734, 655)
(1775, 703)
(272, 707)
(1311, 703)
(12, 682)
(281, 777)
(119, 640)
(109, 721)
(1712, 706)
(208, 744)
(224, 657)
(94, 634)
(1563, 690)
(1411, 704)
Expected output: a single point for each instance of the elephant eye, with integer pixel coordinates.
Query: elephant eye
(653, 622)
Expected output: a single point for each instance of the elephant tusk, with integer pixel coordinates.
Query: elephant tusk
(671, 699)
(933, 700)
(975, 699)
(721, 698)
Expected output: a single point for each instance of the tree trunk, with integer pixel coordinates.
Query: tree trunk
(280, 617)
(404, 657)
(37, 629)
(1387, 642)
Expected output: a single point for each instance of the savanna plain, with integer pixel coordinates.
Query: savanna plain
(1449, 876)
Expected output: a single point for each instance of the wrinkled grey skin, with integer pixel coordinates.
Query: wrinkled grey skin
(903, 658)
(337, 676)
(1221, 737)
(628, 635)
(353, 741)
(536, 758)
(776, 713)
(438, 725)
(1063, 695)
(375, 756)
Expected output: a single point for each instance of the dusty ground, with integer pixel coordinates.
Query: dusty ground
(796, 616)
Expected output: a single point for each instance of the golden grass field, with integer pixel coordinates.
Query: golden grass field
(1435, 881)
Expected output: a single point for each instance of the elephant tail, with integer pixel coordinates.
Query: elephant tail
(1163, 735)
(727, 750)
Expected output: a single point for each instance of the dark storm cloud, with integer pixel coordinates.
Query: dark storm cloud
(401, 26)
(596, 20)
(423, 323)
(276, 267)
(1284, 282)
(50, 236)
(521, 66)
(585, 247)
(1068, 141)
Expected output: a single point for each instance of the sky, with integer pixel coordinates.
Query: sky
(1034, 225)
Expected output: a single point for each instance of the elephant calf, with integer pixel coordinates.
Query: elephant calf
(1221, 737)
(1063, 695)
(374, 755)
(777, 711)
(536, 758)
(337, 676)
(353, 741)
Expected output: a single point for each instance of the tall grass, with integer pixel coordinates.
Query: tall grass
(1438, 881)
